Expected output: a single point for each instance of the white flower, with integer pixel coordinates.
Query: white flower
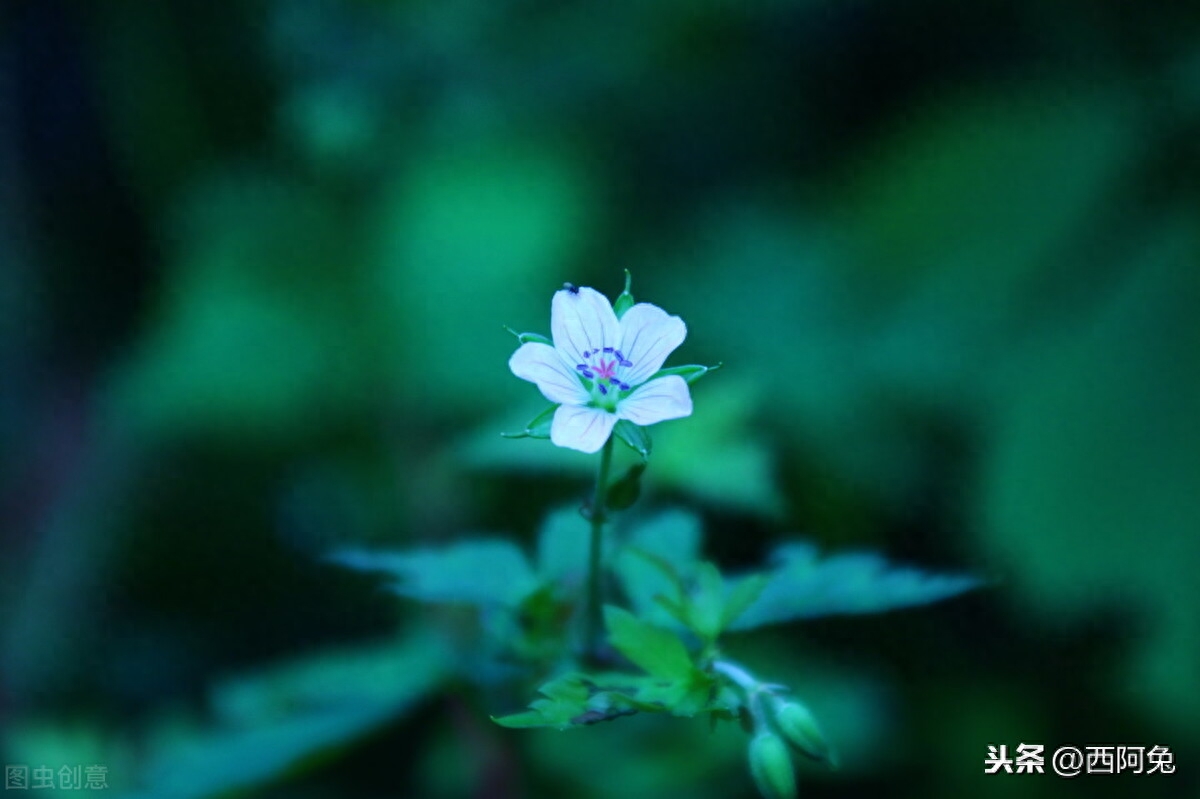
(599, 367)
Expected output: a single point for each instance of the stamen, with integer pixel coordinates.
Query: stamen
(603, 390)
(609, 349)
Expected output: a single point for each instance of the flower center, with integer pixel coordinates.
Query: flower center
(604, 366)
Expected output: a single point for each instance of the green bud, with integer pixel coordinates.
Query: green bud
(797, 724)
(771, 767)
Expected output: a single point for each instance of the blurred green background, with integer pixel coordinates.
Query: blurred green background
(256, 257)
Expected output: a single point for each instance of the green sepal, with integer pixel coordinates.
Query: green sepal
(625, 299)
(525, 338)
(635, 437)
(624, 492)
(690, 373)
(538, 427)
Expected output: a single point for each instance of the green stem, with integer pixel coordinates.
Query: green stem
(594, 616)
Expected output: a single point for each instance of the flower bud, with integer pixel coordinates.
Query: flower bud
(771, 767)
(797, 724)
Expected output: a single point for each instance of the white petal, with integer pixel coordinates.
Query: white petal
(582, 321)
(542, 364)
(648, 335)
(661, 399)
(581, 428)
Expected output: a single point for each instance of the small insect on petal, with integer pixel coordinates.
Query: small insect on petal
(571, 287)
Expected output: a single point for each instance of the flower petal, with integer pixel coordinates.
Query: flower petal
(582, 321)
(542, 364)
(582, 428)
(656, 401)
(648, 335)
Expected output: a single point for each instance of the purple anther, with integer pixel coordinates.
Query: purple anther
(589, 375)
(603, 390)
(608, 349)
(618, 354)
(626, 364)
(583, 367)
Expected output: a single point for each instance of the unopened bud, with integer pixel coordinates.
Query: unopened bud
(797, 724)
(771, 767)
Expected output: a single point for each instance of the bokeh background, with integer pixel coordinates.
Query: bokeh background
(256, 259)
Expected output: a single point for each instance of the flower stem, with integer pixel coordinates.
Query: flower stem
(594, 622)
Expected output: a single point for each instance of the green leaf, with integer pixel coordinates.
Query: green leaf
(690, 373)
(623, 493)
(480, 572)
(578, 699)
(538, 427)
(635, 437)
(656, 651)
(804, 586)
(525, 338)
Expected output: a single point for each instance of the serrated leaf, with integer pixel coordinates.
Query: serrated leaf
(637, 438)
(690, 373)
(564, 698)
(805, 586)
(480, 572)
(538, 427)
(656, 651)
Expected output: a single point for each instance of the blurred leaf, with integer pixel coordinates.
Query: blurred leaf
(742, 594)
(479, 572)
(715, 454)
(637, 438)
(656, 651)
(469, 233)
(804, 586)
(706, 603)
(538, 427)
(624, 492)
(277, 722)
(563, 546)
(1091, 488)
(718, 453)
(254, 333)
(674, 538)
